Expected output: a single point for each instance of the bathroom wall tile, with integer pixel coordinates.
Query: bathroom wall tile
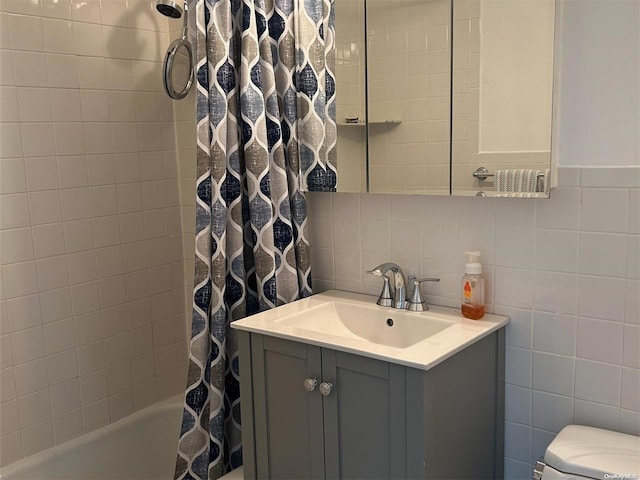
(13, 178)
(72, 171)
(33, 104)
(603, 254)
(633, 257)
(34, 408)
(125, 137)
(62, 366)
(591, 291)
(518, 404)
(37, 438)
(58, 36)
(119, 377)
(92, 72)
(19, 279)
(58, 336)
(600, 340)
(119, 74)
(41, 173)
(518, 366)
(517, 441)
(31, 377)
(103, 200)
(52, 272)
(82, 267)
(158, 251)
(16, 245)
(65, 397)
(604, 210)
(106, 231)
(95, 105)
(98, 137)
(78, 235)
(11, 446)
(26, 33)
(63, 70)
(28, 68)
(520, 329)
(23, 312)
(632, 307)
(100, 169)
(630, 395)
(634, 211)
(14, 211)
(96, 415)
(598, 382)
(85, 298)
(121, 404)
(10, 417)
(551, 412)
(514, 287)
(556, 292)
(48, 240)
(93, 387)
(554, 333)
(67, 426)
(540, 440)
(516, 469)
(610, 177)
(12, 140)
(514, 247)
(75, 204)
(56, 8)
(69, 138)
(65, 105)
(38, 139)
(114, 320)
(91, 358)
(55, 304)
(630, 422)
(88, 39)
(556, 250)
(561, 211)
(112, 291)
(631, 346)
(596, 415)
(553, 373)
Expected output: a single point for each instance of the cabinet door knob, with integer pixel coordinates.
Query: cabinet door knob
(325, 388)
(310, 384)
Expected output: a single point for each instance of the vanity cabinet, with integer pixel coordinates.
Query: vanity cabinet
(379, 420)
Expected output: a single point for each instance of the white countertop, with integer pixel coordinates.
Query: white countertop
(423, 355)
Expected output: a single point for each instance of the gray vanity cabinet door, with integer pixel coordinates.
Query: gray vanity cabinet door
(288, 419)
(364, 418)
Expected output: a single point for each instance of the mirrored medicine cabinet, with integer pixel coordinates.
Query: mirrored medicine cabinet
(441, 97)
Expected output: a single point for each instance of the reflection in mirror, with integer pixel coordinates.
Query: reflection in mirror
(408, 80)
(396, 133)
(350, 96)
(502, 96)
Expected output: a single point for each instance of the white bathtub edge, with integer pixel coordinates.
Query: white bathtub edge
(56, 450)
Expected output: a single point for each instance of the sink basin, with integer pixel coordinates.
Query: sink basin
(353, 323)
(383, 326)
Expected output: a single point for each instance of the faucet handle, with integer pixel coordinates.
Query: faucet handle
(385, 299)
(416, 303)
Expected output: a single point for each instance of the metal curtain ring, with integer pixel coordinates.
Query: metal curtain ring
(168, 68)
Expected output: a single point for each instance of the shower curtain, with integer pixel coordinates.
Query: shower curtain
(266, 131)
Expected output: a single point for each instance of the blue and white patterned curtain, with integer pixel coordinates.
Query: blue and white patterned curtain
(265, 129)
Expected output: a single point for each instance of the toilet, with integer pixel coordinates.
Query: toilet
(579, 452)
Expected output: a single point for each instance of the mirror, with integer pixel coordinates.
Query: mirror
(400, 130)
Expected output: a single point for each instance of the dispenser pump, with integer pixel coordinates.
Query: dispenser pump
(473, 265)
(473, 287)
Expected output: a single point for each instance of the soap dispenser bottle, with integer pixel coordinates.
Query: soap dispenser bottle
(473, 288)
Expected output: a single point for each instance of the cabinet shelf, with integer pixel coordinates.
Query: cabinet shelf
(362, 124)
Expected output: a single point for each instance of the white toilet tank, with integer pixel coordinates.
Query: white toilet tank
(580, 452)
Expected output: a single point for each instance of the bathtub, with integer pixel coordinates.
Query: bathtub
(140, 446)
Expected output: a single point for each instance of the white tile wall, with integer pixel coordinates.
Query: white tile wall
(89, 206)
(559, 267)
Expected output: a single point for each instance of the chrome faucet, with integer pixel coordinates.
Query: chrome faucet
(415, 302)
(400, 293)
